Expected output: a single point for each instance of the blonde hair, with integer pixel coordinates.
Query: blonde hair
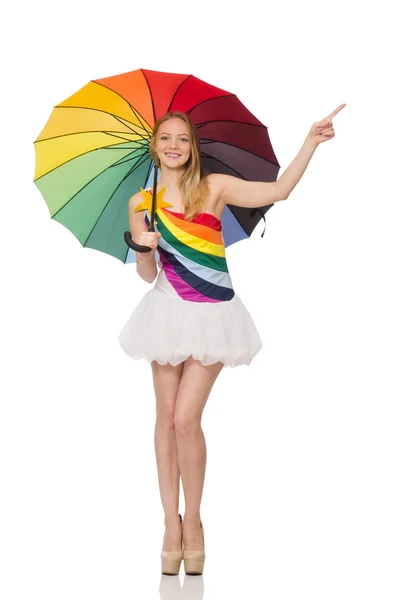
(193, 183)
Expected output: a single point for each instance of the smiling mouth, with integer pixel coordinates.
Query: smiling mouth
(172, 155)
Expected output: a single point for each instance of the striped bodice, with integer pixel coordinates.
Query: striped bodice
(193, 256)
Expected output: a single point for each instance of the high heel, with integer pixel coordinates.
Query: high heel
(194, 559)
(171, 559)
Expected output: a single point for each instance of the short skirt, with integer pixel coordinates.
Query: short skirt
(168, 329)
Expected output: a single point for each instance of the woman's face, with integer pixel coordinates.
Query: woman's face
(173, 143)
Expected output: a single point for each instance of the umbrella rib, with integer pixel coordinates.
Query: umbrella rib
(203, 123)
(151, 96)
(118, 136)
(140, 119)
(111, 196)
(120, 120)
(83, 154)
(228, 95)
(222, 163)
(141, 143)
(84, 132)
(111, 133)
(122, 161)
(177, 90)
(115, 134)
(88, 183)
(209, 141)
(130, 125)
(137, 114)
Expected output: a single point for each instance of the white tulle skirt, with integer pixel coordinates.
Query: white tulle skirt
(168, 329)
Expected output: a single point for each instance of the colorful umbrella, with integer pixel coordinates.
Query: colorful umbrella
(93, 153)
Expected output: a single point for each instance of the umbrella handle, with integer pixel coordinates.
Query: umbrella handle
(127, 234)
(130, 242)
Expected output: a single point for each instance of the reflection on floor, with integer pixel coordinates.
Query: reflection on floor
(171, 589)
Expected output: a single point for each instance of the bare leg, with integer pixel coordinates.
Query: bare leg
(194, 389)
(166, 379)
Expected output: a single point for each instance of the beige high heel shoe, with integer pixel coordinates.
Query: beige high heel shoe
(194, 559)
(171, 559)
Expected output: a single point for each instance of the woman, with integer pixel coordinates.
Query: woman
(191, 324)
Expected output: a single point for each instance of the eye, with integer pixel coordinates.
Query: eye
(184, 140)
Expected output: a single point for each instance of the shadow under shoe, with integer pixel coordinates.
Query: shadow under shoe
(193, 588)
(170, 588)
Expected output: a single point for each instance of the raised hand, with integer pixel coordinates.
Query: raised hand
(323, 130)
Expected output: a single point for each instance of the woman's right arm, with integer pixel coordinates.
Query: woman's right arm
(145, 261)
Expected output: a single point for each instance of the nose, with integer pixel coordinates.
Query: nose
(173, 144)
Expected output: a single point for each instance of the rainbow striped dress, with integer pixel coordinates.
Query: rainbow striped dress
(192, 254)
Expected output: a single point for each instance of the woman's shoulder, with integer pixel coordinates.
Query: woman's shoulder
(213, 204)
(214, 178)
(216, 185)
(218, 179)
(217, 182)
(135, 200)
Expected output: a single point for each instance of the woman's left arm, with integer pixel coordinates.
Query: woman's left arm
(255, 194)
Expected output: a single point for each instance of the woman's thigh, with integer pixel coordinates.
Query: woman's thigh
(166, 380)
(194, 389)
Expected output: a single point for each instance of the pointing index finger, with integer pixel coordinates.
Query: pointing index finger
(335, 112)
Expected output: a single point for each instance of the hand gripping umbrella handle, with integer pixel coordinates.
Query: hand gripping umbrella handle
(130, 242)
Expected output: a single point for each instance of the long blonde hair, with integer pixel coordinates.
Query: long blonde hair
(193, 183)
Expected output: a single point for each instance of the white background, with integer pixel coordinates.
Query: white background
(300, 491)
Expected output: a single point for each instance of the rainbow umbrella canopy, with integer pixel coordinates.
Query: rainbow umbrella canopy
(93, 153)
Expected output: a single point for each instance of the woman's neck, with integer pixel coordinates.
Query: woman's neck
(170, 178)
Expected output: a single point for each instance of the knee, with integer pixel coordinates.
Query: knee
(165, 417)
(186, 425)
